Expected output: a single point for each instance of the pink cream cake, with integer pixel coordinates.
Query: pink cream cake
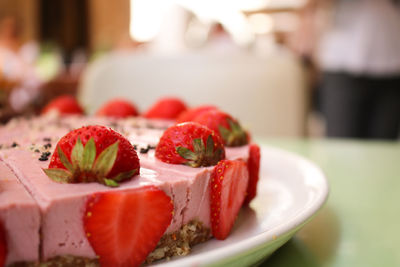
(56, 210)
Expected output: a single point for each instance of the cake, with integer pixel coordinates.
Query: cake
(59, 218)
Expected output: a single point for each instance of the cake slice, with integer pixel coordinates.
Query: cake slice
(63, 206)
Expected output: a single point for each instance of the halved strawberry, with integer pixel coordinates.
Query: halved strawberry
(224, 125)
(166, 108)
(93, 154)
(228, 186)
(191, 144)
(65, 104)
(3, 245)
(118, 108)
(190, 114)
(253, 164)
(124, 227)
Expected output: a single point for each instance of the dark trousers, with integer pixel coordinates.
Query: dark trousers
(360, 106)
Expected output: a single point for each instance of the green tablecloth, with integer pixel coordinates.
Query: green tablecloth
(360, 224)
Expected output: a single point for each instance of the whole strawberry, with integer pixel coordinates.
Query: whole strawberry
(224, 125)
(93, 154)
(191, 144)
(118, 108)
(65, 104)
(166, 108)
(192, 113)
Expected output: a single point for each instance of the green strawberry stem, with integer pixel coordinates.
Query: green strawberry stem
(202, 155)
(235, 136)
(85, 168)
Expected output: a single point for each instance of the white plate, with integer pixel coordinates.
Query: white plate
(291, 190)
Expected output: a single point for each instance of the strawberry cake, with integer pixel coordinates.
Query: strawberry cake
(97, 190)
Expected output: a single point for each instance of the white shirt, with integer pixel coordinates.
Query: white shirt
(364, 38)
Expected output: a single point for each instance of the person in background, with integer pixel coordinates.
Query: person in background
(16, 65)
(357, 50)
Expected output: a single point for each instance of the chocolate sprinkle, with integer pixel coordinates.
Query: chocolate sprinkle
(37, 150)
(14, 144)
(46, 146)
(45, 156)
(150, 126)
(144, 150)
(113, 124)
(47, 139)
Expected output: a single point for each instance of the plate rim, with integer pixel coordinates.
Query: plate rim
(265, 237)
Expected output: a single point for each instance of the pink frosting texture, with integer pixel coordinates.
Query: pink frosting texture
(61, 206)
(20, 217)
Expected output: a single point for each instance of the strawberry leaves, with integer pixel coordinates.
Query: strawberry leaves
(76, 154)
(106, 159)
(58, 175)
(64, 160)
(235, 136)
(84, 167)
(89, 155)
(202, 155)
(110, 183)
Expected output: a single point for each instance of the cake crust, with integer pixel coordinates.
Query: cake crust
(178, 243)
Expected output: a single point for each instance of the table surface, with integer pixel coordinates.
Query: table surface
(360, 224)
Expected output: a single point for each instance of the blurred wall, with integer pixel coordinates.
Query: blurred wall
(26, 11)
(108, 23)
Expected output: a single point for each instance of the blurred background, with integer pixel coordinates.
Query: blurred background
(298, 68)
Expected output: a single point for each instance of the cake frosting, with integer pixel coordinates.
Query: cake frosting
(20, 217)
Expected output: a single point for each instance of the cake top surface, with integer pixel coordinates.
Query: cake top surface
(28, 143)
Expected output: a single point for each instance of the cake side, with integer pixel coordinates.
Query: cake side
(20, 218)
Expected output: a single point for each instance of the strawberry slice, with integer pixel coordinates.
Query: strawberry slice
(3, 246)
(253, 164)
(124, 227)
(228, 189)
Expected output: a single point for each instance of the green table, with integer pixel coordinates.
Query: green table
(360, 224)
